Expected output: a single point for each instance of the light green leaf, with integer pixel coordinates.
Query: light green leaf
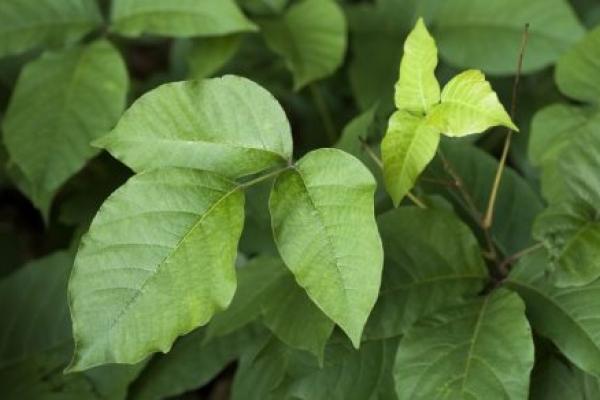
(577, 70)
(28, 24)
(207, 55)
(479, 350)
(228, 125)
(571, 233)
(61, 103)
(166, 240)
(553, 127)
(469, 105)
(567, 316)
(191, 364)
(555, 379)
(324, 227)
(182, 18)
(432, 261)
(487, 34)
(418, 90)
(311, 37)
(409, 145)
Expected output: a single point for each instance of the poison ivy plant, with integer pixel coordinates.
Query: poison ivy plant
(171, 228)
(466, 105)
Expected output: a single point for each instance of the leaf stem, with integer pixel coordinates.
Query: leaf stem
(264, 177)
(323, 112)
(504, 265)
(418, 202)
(489, 214)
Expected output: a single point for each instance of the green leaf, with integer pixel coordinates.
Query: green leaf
(432, 260)
(469, 105)
(571, 233)
(264, 6)
(183, 18)
(479, 350)
(567, 316)
(62, 102)
(324, 227)
(488, 34)
(267, 290)
(34, 308)
(553, 128)
(208, 55)
(554, 379)
(29, 24)
(577, 70)
(409, 145)
(291, 315)
(229, 125)
(418, 90)
(517, 204)
(311, 37)
(356, 130)
(191, 364)
(166, 240)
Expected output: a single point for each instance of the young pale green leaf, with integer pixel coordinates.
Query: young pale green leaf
(62, 102)
(432, 261)
(469, 105)
(555, 379)
(577, 70)
(571, 233)
(479, 350)
(182, 18)
(28, 24)
(166, 240)
(487, 34)
(311, 37)
(324, 227)
(553, 128)
(418, 90)
(228, 125)
(409, 145)
(567, 316)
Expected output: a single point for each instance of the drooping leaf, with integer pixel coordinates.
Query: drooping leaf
(167, 241)
(324, 227)
(311, 37)
(418, 90)
(479, 350)
(469, 105)
(487, 34)
(553, 127)
(62, 102)
(29, 24)
(567, 316)
(432, 261)
(191, 364)
(556, 379)
(207, 55)
(182, 18)
(409, 145)
(577, 70)
(228, 125)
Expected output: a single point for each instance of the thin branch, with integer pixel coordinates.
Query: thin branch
(504, 266)
(324, 113)
(460, 186)
(418, 202)
(489, 214)
(264, 177)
